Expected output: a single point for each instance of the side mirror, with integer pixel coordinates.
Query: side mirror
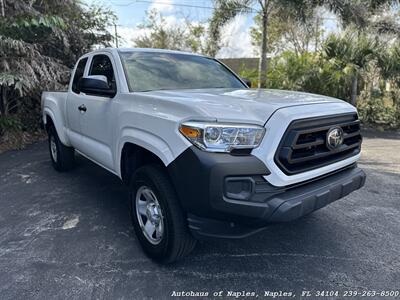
(96, 85)
(247, 82)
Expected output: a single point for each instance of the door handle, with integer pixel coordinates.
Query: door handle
(82, 108)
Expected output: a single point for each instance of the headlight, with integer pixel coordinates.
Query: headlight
(218, 137)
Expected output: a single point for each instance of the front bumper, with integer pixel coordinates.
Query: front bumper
(227, 196)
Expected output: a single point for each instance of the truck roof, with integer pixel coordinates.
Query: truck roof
(112, 49)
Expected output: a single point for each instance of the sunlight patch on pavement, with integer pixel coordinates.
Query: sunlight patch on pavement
(71, 223)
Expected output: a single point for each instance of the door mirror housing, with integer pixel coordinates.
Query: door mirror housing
(96, 85)
(247, 82)
(99, 77)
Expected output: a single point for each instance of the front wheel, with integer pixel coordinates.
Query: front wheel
(62, 157)
(157, 217)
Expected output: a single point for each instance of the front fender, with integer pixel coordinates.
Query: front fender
(150, 142)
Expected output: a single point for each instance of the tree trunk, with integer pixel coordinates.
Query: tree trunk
(316, 33)
(354, 85)
(262, 68)
(2, 8)
(3, 106)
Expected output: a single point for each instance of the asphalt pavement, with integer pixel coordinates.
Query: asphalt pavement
(69, 236)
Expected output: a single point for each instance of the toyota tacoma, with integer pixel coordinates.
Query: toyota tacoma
(203, 154)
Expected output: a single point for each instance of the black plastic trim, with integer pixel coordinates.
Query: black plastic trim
(282, 205)
(198, 177)
(204, 228)
(315, 124)
(244, 194)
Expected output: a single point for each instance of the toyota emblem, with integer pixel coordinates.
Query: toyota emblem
(334, 138)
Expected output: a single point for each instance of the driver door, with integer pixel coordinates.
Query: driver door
(74, 100)
(96, 130)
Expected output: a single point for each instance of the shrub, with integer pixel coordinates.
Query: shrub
(10, 123)
(378, 111)
(315, 73)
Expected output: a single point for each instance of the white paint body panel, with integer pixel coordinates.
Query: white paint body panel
(253, 106)
(151, 119)
(53, 105)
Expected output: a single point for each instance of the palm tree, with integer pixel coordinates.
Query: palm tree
(355, 48)
(356, 12)
(226, 10)
(352, 51)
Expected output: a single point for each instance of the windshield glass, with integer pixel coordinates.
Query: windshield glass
(151, 71)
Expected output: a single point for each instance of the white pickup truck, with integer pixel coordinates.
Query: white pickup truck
(203, 154)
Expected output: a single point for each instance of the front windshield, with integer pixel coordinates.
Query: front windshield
(152, 71)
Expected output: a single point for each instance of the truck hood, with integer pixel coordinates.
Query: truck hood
(243, 105)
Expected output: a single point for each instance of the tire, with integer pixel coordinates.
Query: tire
(175, 241)
(62, 157)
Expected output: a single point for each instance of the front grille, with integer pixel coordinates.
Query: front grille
(303, 146)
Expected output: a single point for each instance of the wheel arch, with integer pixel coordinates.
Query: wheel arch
(133, 156)
(49, 119)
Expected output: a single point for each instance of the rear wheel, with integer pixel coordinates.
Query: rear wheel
(62, 157)
(157, 217)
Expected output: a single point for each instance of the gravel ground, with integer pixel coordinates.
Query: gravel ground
(68, 236)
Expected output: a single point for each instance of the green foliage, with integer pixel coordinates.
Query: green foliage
(30, 22)
(359, 13)
(287, 31)
(196, 38)
(160, 35)
(388, 62)
(321, 74)
(352, 50)
(39, 42)
(308, 72)
(250, 74)
(271, 13)
(225, 10)
(376, 111)
(9, 124)
(186, 37)
(291, 22)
